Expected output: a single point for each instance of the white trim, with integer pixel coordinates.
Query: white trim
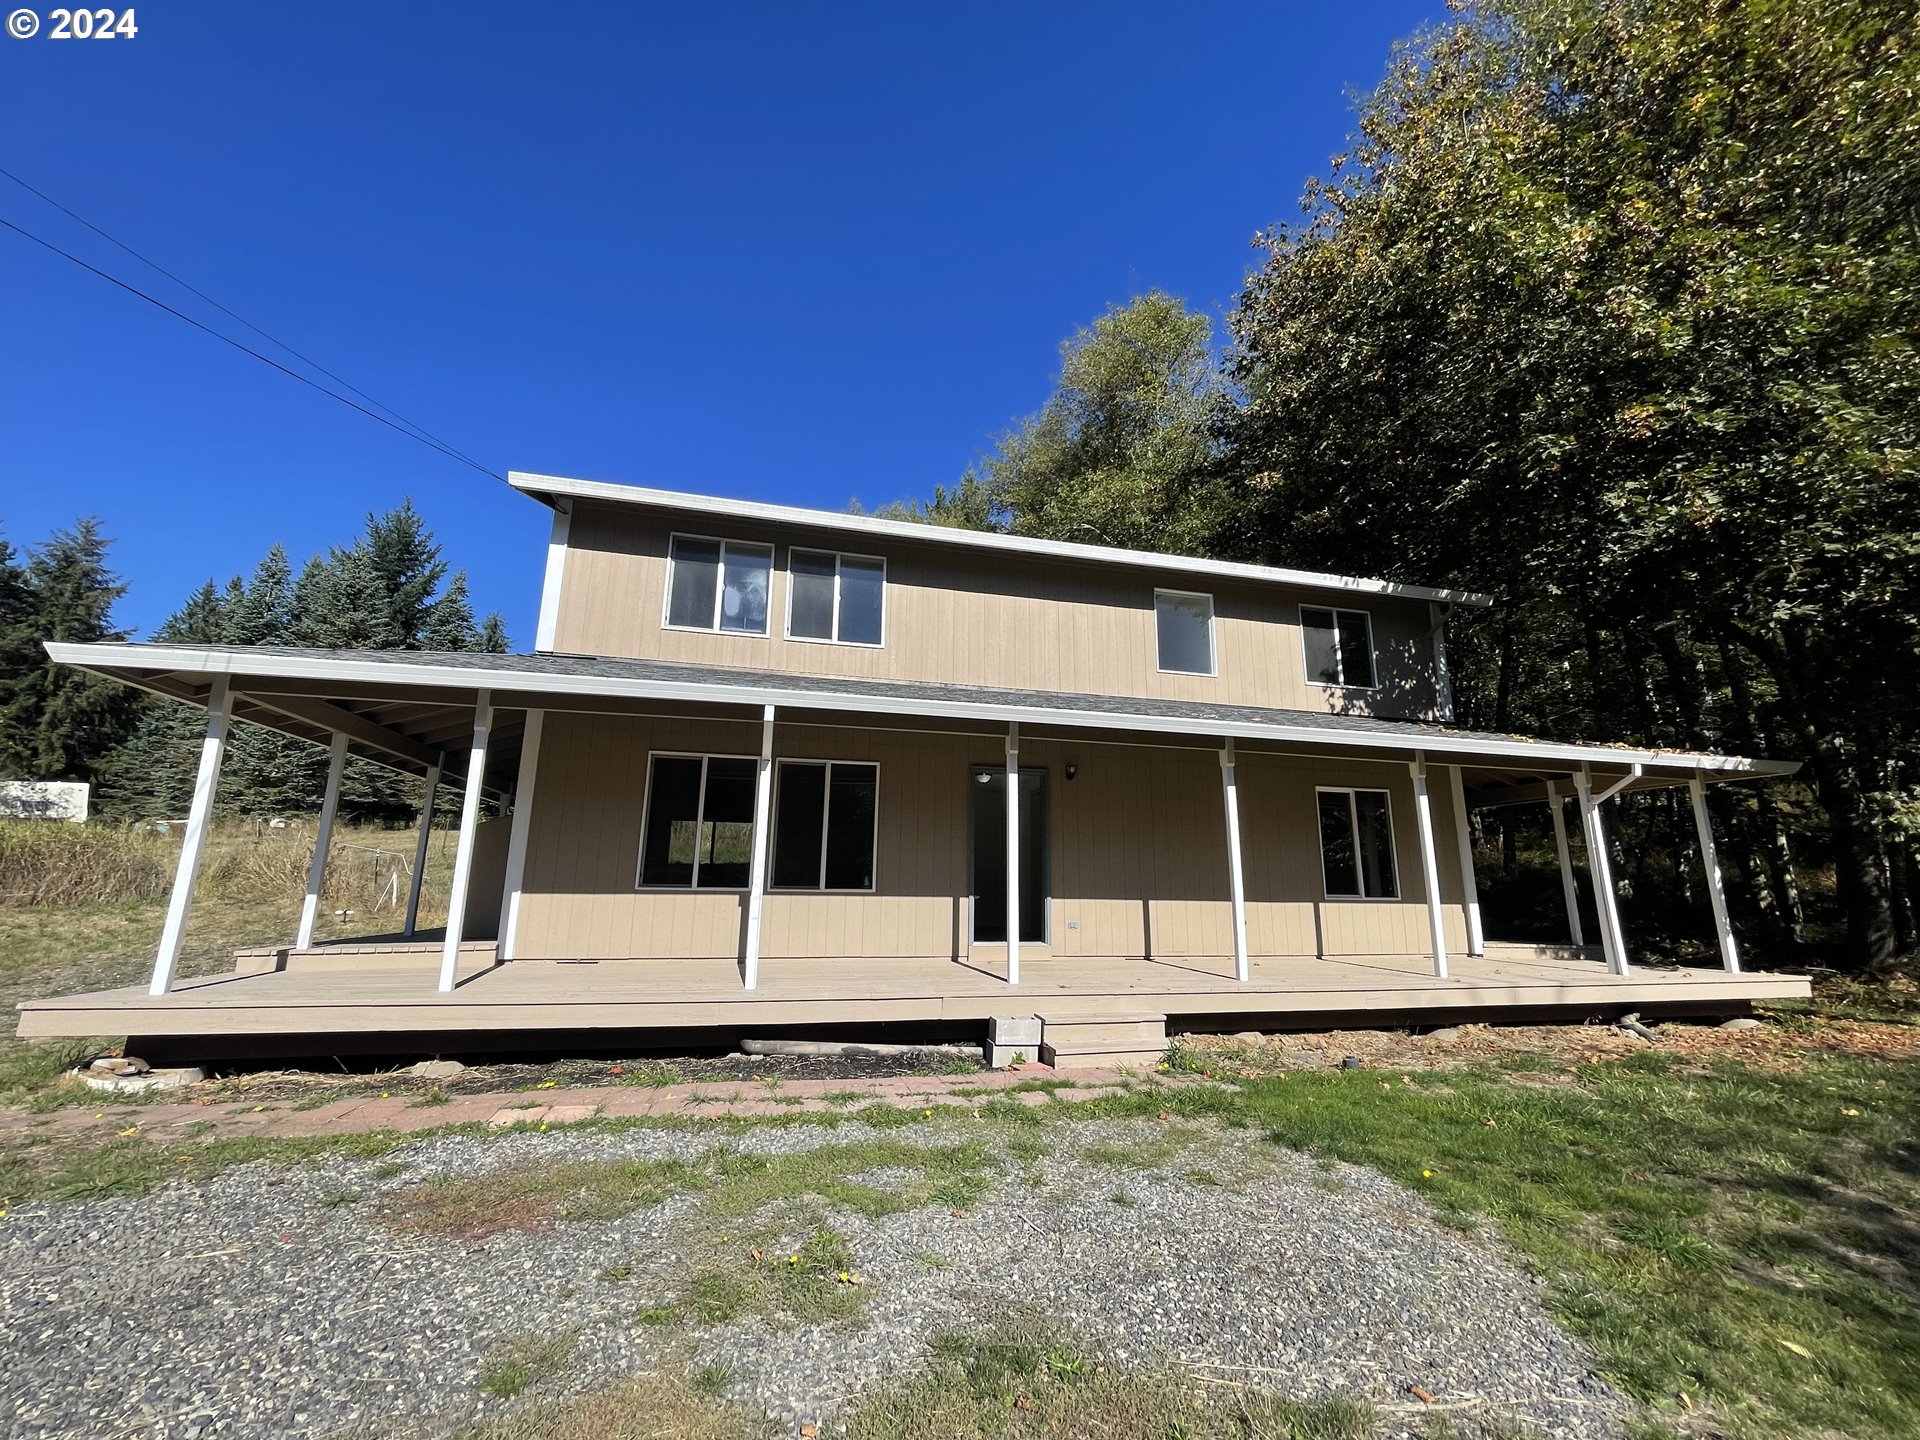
(1469, 887)
(1570, 892)
(523, 788)
(470, 800)
(762, 843)
(322, 841)
(264, 664)
(1213, 655)
(1013, 853)
(1716, 890)
(550, 587)
(693, 886)
(1353, 823)
(826, 812)
(1429, 867)
(1236, 874)
(1613, 938)
(1339, 656)
(550, 486)
(834, 639)
(206, 780)
(719, 586)
(420, 851)
(1442, 676)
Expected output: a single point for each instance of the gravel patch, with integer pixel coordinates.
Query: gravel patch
(272, 1302)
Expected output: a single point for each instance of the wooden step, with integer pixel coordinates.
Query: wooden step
(1070, 1041)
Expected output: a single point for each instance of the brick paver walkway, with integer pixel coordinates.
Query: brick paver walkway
(222, 1119)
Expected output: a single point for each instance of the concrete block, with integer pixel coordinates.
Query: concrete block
(1015, 1030)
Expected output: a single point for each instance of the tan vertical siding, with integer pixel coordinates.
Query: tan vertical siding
(971, 618)
(1138, 852)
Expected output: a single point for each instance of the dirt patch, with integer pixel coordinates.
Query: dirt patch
(1782, 1043)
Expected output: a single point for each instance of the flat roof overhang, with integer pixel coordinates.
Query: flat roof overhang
(412, 709)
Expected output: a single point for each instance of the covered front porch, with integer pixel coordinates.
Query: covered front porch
(1168, 856)
(393, 993)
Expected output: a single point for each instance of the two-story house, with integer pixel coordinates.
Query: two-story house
(757, 772)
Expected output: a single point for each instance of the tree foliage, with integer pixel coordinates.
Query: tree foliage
(1612, 306)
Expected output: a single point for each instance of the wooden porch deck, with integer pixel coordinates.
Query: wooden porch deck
(393, 992)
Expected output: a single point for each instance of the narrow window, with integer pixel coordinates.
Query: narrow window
(1339, 646)
(1185, 626)
(698, 832)
(718, 585)
(836, 597)
(824, 825)
(1356, 845)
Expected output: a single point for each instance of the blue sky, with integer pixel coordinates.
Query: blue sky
(784, 252)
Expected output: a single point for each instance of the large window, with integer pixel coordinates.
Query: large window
(1184, 626)
(824, 825)
(1356, 845)
(836, 597)
(698, 832)
(1339, 646)
(718, 585)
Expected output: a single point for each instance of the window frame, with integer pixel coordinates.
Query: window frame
(1353, 826)
(834, 639)
(1373, 651)
(826, 816)
(719, 587)
(693, 887)
(1212, 672)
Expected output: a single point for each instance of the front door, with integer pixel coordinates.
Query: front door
(988, 816)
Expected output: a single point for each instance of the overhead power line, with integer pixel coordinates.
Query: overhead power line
(398, 423)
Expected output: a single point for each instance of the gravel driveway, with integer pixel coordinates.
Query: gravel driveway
(273, 1301)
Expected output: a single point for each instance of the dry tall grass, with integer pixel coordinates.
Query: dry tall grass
(45, 865)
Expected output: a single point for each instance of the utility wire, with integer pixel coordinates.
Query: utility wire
(431, 444)
(405, 426)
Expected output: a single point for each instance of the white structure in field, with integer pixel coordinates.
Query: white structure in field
(44, 800)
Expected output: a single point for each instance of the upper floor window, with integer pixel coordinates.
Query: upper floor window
(1339, 646)
(1356, 845)
(1184, 625)
(718, 585)
(836, 597)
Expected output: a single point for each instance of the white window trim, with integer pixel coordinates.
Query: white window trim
(693, 887)
(1373, 652)
(834, 639)
(1212, 672)
(719, 586)
(826, 810)
(1353, 823)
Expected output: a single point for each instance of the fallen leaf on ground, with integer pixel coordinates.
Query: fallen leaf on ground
(1425, 1397)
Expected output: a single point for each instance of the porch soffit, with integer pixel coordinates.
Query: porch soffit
(402, 707)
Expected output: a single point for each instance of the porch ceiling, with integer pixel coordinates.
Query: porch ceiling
(401, 708)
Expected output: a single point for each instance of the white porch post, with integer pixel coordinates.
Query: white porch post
(463, 850)
(522, 823)
(1710, 862)
(1429, 866)
(1236, 875)
(1013, 853)
(205, 781)
(1469, 889)
(1570, 891)
(322, 841)
(1600, 868)
(420, 849)
(757, 879)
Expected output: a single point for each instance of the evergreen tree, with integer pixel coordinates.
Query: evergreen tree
(405, 562)
(450, 622)
(59, 723)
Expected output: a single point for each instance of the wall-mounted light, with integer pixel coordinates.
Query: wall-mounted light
(1073, 769)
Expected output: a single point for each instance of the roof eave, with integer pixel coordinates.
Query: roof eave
(265, 663)
(551, 488)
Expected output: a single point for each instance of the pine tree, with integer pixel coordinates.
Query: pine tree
(405, 561)
(450, 625)
(60, 723)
